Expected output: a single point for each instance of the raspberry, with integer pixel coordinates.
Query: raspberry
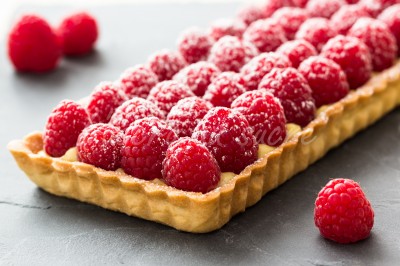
(224, 89)
(230, 54)
(297, 51)
(265, 115)
(144, 146)
(100, 145)
(374, 7)
(103, 101)
(270, 6)
(63, 127)
(391, 17)
(132, 110)
(300, 3)
(186, 114)
(324, 8)
(342, 212)
(138, 81)
(292, 89)
(249, 14)
(259, 66)
(346, 16)
(167, 93)
(290, 19)
(227, 27)
(33, 46)
(194, 45)
(379, 39)
(78, 33)
(326, 79)
(165, 63)
(181, 166)
(316, 31)
(198, 76)
(353, 57)
(266, 35)
(352, 1)
(229, 137)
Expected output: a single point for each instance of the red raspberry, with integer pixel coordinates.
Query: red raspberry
(266, 35)
(198, 76)
(316, 31)
(265, 115)
(100, 145)
(374, 7)
(290, 19)
(227, 27)
(181, 166)
(270, 6)
(326, 79)
(342, 212)
(346, 16)
(144, 146)
(194, 45)
(300, 3)
(229, 137)
(63, 127)
(186, 114)
(33, 46)
(324, 8)
(297, 51)
(230, 54)
(167, 93)
(132, 110)
(250, 13)
(353, 57)
(391, 17)
(78, 33)
(225, 89)
(292, 89)
(259, 66)
(138, 81)
(165, 64)
(105, 98)
(379, 39)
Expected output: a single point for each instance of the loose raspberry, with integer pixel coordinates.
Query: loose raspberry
(100, 145)
(316, 31)
(225, 89)
(391, 17)
(103, 101)
(324, 8)
(353, 57)
(78, 33)
(181, 166)
(138, 81)
(230, 54)
(265, 115)
(259, 66)
(292, 89)
(270, 6)
(33, 46)
(290, 19)
(132, 110)
(342, 212)
(297, 51)
(374, 7)
(266, 35)
(227, 27)
(250, 13)
(144, 146)
(379, 39)
(229, 137)
(198, 76)
(194, 45)
(326, 79)
(300, 3)
(346, 16)
(63, 127)
(165, 64)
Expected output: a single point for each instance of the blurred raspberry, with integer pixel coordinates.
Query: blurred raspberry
(324, 8)
(391, 17)
(250, 13)
(290, 19)
(194, 45)
(316, 31)
(227, 27)
(346, 16)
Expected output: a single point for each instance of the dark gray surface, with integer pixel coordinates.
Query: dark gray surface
(38, 228)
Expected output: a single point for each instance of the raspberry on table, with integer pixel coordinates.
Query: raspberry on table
(166, 63)
(297, 51)
(253, 72)
(265, 115)
(294, 93)
(78, 33)
(379, 39)
(250, 13)
(316, 31)
(132, 110)
(198, 76)
(353, 57)
(324, 8)
(229, 137)
(194, 45)
(375, 7)
(290, 19)
(144, 146)
(227, 27)
(137, 81)
(100, 145)
(230, 53)
(65, 123)
(33, 46)
(346, 16)
(326, 79)
(342, 212)
(270, 6)
(391, 17)
(182, 162)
